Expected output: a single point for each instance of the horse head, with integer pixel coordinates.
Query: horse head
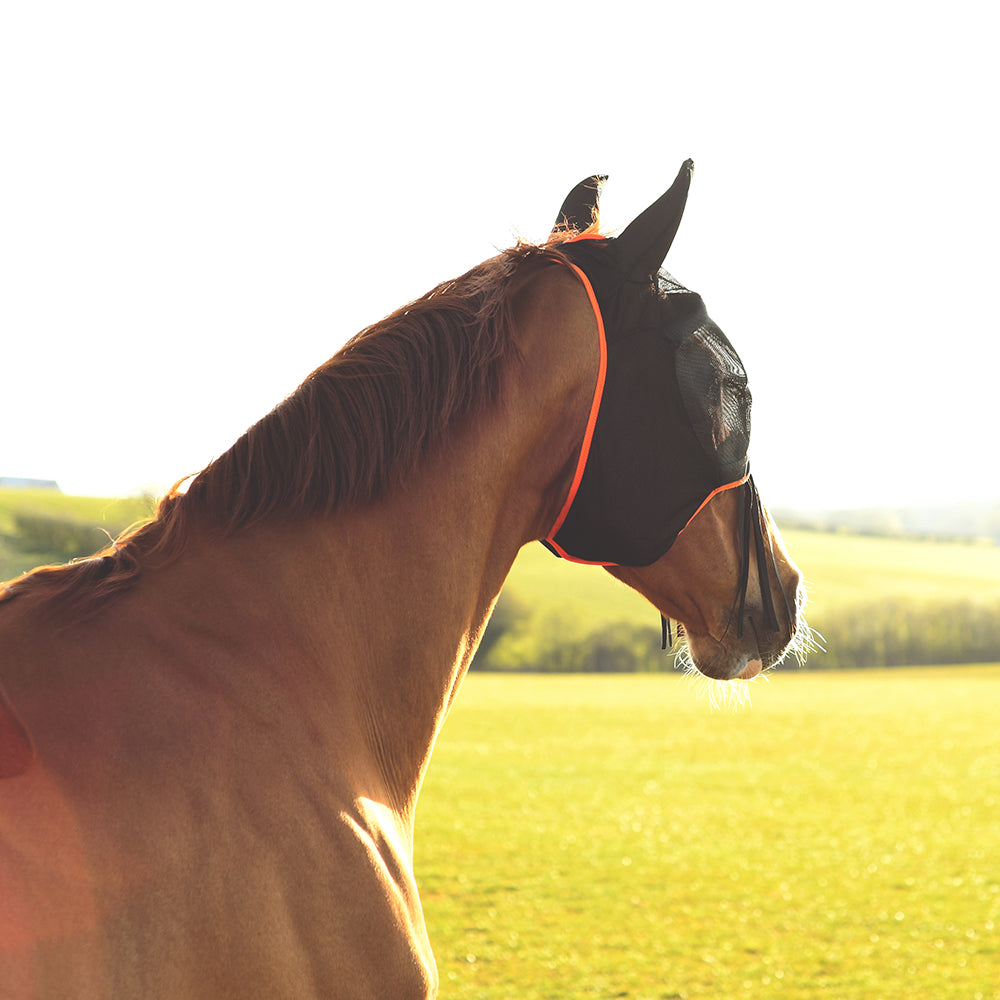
(662, 495)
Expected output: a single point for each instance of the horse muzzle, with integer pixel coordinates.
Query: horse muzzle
(757, 646)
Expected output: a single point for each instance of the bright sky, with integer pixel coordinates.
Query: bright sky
(200, 201)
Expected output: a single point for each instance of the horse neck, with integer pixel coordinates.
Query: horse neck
(378, 609)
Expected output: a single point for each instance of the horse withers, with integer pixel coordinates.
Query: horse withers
(213, 734)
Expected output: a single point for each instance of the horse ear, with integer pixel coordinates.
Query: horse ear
(580, 208)
(643, 245)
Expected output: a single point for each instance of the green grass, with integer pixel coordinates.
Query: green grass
(876, 600)
(845, 571)
(96, 510)
(841, 571)
(613, 837)
(113, 515)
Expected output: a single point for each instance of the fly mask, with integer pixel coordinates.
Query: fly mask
(670, 422)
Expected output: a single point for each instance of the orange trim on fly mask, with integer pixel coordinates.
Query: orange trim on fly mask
(588, 436)
(595, 407)
(714, 493)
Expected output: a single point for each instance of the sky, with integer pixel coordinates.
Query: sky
(201, 201)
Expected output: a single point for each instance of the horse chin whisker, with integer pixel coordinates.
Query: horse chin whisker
(733, 694)
(805, 639)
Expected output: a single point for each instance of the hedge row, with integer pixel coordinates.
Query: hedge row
(899, 633)
(891, 633)
(63, 539)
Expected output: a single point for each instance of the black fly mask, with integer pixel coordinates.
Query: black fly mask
(670, 422)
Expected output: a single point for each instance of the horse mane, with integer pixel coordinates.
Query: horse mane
(353, 431)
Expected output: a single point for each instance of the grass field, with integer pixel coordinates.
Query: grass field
(613, 837)
(877, 600)
(847, 570)
(96, 510)
(111, 515)
(841, 571)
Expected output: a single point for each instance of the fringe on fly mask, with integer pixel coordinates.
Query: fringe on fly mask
(670, 422)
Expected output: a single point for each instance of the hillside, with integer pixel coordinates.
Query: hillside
(877, 600)
(973, 519)
(40, 526)
(841, 570)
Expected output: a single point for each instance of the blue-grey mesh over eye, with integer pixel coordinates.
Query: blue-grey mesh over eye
(713, 385)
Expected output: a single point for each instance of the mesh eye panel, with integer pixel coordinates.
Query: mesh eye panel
(667, 284)
(713, 386)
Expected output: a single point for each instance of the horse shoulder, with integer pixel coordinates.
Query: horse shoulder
(166, 841)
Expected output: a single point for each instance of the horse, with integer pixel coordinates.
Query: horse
(213, 733)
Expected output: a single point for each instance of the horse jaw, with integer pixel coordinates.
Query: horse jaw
(695, 584)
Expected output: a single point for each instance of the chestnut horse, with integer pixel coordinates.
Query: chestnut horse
(213, 734)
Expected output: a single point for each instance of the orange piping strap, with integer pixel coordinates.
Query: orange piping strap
(595, 407)
(715, 492)
(588, 436)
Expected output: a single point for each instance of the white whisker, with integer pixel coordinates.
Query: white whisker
(733, 694)
(805, 639)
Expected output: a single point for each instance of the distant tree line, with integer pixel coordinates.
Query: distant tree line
(61, 538)
(894, 632)
(38, 539)
(974, 522)
(899, 632)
